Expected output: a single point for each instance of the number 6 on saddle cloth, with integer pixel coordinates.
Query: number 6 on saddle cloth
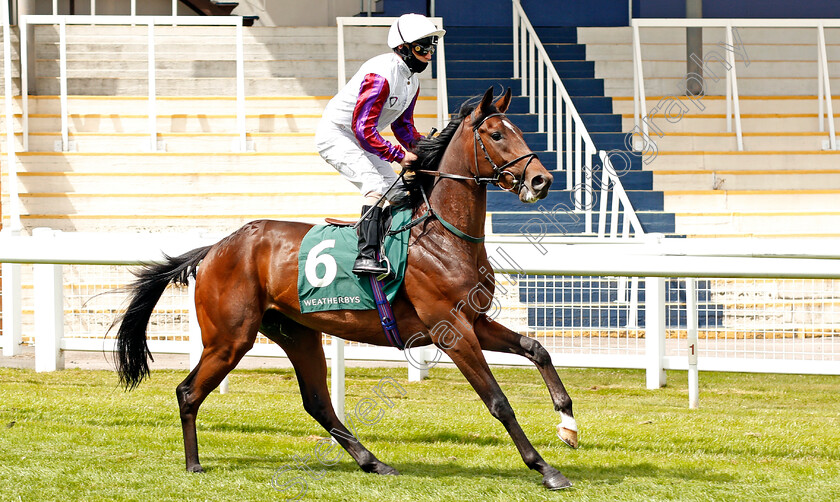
(325, 277)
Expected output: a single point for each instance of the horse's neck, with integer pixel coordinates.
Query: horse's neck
(461, 203)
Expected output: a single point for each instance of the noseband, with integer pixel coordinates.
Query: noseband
(498, 171)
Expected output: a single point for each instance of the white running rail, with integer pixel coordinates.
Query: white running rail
(531, 62)
(733, 110)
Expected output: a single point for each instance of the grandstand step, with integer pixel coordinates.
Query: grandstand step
(556, 200)
(794, 179)
(168, 105)
(752, 142)
(630, 180)
(491, 51)
(763, 224)
(196, 68)
(222, 223)
(675, 35)
(313, 182)
(495, 68)
(754, 123)
(189, 123)
(187, 204)
(744, 161)
(747, 86)
(687, 201)
(659, 68)
(281, 86)
(471, 34)
(156, 162)
(520, 105)
(716, 105)
(565, 223)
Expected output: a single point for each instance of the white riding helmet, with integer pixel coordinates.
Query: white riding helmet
(411, 27)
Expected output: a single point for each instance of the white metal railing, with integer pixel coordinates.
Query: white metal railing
(442, 94)
(133, 7)
(151, 22)
(733, 112)
(548, 98)
(11, 156)
(653, 258)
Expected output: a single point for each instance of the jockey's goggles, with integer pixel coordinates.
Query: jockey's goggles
(424, 46)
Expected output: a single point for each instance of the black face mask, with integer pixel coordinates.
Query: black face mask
(414, 64)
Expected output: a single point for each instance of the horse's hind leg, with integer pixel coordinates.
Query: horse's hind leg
(497, 338)
(222, 351)
(303, 346)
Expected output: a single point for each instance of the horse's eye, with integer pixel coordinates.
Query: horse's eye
(496, 136)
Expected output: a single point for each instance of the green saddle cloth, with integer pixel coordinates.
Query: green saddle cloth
(325, 267)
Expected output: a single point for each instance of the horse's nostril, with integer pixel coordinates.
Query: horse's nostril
(539, 182)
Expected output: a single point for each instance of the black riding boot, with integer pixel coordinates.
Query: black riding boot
(370, 241)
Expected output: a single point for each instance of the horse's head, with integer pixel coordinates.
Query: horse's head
(501, 155)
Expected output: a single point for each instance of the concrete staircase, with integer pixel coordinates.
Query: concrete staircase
(785, 183)
(481, 57)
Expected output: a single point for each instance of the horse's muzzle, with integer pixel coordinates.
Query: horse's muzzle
(536, 186)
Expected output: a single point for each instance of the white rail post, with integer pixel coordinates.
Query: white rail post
(417, 355)
(337, 377)
(11, 156)
(342, 70)
(637, 114)
(734, 83)
(153, 142)
(691, 329)
(541, 117)
(62, 79)
(24, 84)
(832, 139)
(820, 91)
(515, 40)
(240, 87)
(655, 331)
(637, 53)
(532, 77)
(49, 308)
(11, 307)
(523, 39)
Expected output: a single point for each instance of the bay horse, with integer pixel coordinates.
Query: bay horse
(247, 283)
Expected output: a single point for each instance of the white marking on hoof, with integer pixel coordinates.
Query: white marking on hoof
(567, 430)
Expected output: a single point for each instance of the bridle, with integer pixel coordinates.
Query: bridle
(498, 171)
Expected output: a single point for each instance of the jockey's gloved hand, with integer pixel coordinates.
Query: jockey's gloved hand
(409, 158)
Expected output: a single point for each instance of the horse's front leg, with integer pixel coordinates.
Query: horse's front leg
(466, 354)
(497, 338)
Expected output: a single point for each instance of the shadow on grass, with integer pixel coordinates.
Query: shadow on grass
(614, 474)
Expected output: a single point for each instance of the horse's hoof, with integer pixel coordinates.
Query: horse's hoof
(556, 481)
(195, 468)
(568, 436)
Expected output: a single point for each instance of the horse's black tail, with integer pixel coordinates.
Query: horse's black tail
(144, 293)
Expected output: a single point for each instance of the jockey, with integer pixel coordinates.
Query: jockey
(383, 92)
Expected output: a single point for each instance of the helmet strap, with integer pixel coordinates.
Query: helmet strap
(407, 55)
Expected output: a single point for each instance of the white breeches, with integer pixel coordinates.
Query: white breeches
(340, 148)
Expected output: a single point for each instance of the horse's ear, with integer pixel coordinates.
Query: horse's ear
(486, 101)
(503, 102)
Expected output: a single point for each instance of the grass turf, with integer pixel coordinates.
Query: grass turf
(74, 435)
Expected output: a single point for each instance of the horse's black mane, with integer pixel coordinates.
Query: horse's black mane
(430, 152)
